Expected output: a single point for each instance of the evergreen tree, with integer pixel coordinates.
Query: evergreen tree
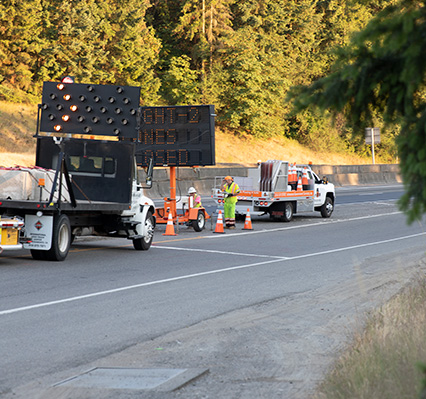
(181, 82)
(20, 44)
(75, 47)
(383, 71)
(131, 47)
(272, 47)
(339, 20)
(202, 24)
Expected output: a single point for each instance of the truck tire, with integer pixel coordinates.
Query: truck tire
(61, 239)
(288, 212)
(200, 222)
(327, 208)
(38, 254)
(143, 244)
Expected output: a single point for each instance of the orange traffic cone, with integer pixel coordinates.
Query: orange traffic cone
(247, 223)
(219, 224)
(292, 175)
(305, 181)
(299, 184)
(170, 230)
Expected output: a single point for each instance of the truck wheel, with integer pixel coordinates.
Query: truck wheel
(288, 212)
(61, 239)
(143, 244)
(327, 208)
(200, 222)
(38, 254)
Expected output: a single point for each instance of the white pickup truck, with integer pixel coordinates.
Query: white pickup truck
(280, 190)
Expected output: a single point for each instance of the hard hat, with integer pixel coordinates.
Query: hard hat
(228, 178)
(192, 190)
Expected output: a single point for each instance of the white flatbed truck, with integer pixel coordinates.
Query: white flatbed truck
(267, 189)
(85, 181)
(58, 205)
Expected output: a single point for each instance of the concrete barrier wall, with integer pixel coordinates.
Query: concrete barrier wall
(203, 178)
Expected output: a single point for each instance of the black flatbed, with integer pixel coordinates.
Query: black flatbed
(81, 206)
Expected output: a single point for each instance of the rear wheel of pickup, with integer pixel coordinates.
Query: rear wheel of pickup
(144, 243)
(61, 239)
(288, 212)
(327, 208)
(282, 211)
(200, 222)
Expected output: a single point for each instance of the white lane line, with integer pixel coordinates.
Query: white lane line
(188, 276)
(130, 287)
(315, 224)
(369, 244)
(222, 252)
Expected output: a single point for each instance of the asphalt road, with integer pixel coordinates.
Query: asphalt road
(181, 303)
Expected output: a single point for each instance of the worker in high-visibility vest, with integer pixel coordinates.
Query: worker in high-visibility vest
(231, 190)
(196, 199)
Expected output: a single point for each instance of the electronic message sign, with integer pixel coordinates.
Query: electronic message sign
(169, 135)
(176, 136)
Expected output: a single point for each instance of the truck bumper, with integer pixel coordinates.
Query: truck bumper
(10, 247)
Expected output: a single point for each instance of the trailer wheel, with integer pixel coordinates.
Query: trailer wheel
(61, 239)
(288, 212)
(327, 208)
(38, 254)
(143, 244)
(200, 222)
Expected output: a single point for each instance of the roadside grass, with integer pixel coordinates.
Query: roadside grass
(246, 150)
(387, 359)
(17, 127)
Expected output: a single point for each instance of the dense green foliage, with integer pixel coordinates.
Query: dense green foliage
(383, 72)
(240, 55)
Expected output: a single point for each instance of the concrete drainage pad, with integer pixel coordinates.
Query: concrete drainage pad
(160, 380)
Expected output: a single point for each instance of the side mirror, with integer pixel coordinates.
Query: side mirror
(149, 173)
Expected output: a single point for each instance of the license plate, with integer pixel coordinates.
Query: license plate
(9, 236)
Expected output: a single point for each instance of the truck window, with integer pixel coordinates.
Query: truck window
(317, 179)
(109, 166)
(92, 165)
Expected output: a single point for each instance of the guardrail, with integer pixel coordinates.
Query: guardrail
(202, 178)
